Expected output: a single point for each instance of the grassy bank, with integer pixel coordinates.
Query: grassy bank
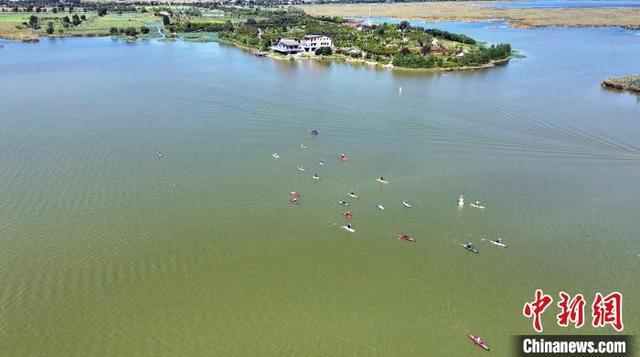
(17, 26)
(475, 11)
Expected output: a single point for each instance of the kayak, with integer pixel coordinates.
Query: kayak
(406, 204)
(294, 194)
(321, 163)
(478, 341)
(303, 146)
(380, 207)
(498, 243)
(352, 195)
(348, 215)
(314, 132)
(476, 205)
(381, 180)
(343, 158)
(275, 155)
(470, 247)
(406, 238)
(348, 229)
(343, 203)
(461, 201)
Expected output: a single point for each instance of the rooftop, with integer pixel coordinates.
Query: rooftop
(289, 42)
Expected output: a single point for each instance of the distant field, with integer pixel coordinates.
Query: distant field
(471, 11)
(11, 24)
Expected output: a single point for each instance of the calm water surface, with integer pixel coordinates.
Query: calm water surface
(107, 249)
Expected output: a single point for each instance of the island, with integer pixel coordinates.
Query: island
(630, 83)
(278, 32)
(295, 34)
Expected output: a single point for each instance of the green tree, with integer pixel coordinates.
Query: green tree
(228, 26)
(33, 21)
(113, 30)
(144, 29)
(251, 21)
(130, 31)
(50, 27)
(76, 20)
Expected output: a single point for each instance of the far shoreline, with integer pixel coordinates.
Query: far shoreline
(474, 11)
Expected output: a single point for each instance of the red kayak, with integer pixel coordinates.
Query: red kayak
(478, 342)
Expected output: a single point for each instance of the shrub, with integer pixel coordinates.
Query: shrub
(324, 51)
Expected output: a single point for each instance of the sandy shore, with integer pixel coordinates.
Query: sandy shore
(473, 11)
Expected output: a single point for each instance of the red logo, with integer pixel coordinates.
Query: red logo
(572, 310)
(606, 310)
(536, 308)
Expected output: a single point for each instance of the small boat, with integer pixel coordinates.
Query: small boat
(348, 215)
(406, 237)
(476, 204)
(320, 162)
(461, 201)
(158, 153)
(303, 146)
(259, 53)
(348, 228)
(478, 342)
(382, 180)
(315, 177)
(470, 247)
(294, 201)
(498, 242)
(343, 157)
(343, 203)
(294, 194)
(314, 132)
(352, 195)
(406, 204)
(275, 155)
(301, 169)
(380, 207)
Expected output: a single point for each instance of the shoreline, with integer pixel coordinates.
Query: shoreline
(626, 83)
(354, 61)
(279, 57)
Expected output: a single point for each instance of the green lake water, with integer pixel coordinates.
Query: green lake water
(108, 249)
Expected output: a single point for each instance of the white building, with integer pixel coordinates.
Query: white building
(287, 46)
(310, 43)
